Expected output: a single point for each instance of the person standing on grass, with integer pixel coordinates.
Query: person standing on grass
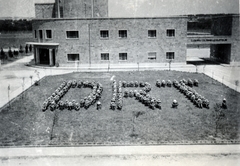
(26, 49)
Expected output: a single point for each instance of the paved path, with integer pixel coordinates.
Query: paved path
(124, 155)
(17, 75)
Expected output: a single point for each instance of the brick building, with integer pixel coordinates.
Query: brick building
(70, 31)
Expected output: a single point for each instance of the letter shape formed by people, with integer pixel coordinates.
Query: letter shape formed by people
(55, 102)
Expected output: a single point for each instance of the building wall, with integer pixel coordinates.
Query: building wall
(45, 10)
(83, 8)
(100, 8)
(227, 53)
(136, 45)
(221, 26)
(235, 48)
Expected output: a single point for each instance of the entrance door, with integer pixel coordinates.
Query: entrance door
(44, 56)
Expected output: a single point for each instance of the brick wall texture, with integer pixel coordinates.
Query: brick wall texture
(137, 44)
(45, 10)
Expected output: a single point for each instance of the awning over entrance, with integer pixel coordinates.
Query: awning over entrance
(42, 44)
(44, 53)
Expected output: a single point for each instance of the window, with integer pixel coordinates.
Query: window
(122, 33)
(152, 55)
(61, 11)
(152, 33)
(73, 57)
(48, 34)
(170, 32)
(35, 34)
(104, 34)
(105, 56)
(72, 35)
(123, 56)
(40, 34)
(170, 55)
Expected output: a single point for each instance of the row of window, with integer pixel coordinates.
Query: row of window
(122, 56)
(103, 34)
(48, 34)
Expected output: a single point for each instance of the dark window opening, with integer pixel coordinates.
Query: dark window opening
(104, 34)
(72, 35)
(105, 56)
(35, 34)
(170, 32)
(48, 34)
(122, 33)
(40, 34)
(123, 56)
(152, 33)
(73, 57)
(170, 55)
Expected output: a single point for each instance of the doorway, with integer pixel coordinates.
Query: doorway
(44, 56)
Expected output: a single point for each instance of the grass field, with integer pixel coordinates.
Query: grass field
(25, 124)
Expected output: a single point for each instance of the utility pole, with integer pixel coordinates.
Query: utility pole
(89, 43)
(23, 87)
(9, 95)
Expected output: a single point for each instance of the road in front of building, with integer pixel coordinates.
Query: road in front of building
(168, 155)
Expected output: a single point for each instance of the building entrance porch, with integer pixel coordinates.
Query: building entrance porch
(45, 53)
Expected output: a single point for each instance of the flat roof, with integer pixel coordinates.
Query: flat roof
(49, 3)
(112, 18)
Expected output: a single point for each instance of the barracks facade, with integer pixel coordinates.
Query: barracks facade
(79, 31)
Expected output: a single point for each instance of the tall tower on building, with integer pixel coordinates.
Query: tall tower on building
(81, 8)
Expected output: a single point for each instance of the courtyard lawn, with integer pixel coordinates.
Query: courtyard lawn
(25, 124)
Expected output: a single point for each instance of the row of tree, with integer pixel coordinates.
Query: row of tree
(15, 25)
